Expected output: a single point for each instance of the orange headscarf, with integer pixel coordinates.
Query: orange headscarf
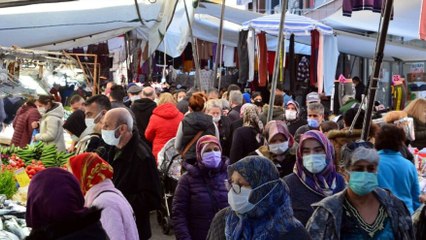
(89, 169)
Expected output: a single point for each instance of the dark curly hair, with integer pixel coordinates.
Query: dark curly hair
(390, 137)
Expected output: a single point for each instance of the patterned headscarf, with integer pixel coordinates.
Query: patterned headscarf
(90, 169)
(326, 182)
(273, 215)
(275, 127)
(295, 104)
(251, 117)
(203, 142)
(54, 197)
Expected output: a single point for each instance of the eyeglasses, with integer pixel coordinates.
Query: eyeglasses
(230, 185)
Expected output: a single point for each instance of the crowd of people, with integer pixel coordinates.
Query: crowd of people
(301, 175)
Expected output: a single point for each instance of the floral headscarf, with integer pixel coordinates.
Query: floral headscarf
(90, 169)
(327, 181)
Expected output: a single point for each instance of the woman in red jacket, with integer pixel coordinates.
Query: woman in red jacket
(163, 123)
(26, 114)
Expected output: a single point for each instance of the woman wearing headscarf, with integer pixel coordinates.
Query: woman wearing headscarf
(363, 210)
(201, 191)
(55, 209)
(314, 176)
(247, 138)
(94, 175)
(292, 117)
(260, 206)
(278, 147)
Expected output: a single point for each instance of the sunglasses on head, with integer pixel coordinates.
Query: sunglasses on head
(354, 145)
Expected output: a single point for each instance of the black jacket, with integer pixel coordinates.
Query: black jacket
(136, 175)
(243, 143)
(142, 109)
(296, 124)
(234, 114)
(88, 227)
(225, 135)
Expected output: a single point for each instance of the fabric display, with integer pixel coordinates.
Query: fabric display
(228, 56)
(398, 97)
(359, 5)
(314, 57)
(263, 59)
(320, 64)
(206, 79)
(417, 90)
(303, 70)
(243, 60)
(251, 55)
(271, 62)
(292, 62)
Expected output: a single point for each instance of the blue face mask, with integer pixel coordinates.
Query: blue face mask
(363, 183)
(313, 123)
(314, 163)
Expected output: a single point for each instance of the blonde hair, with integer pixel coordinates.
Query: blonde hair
(212, 103)
(416, 109)
(166, 98)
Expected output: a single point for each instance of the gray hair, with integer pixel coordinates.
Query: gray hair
(317, 107)
(362, 153)
(236, 97)
(213, 103)
(126, 118)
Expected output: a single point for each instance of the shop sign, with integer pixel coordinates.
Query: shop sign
(417, 67)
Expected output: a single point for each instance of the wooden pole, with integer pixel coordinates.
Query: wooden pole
(280, 47)
(380, 46)
(218, 59)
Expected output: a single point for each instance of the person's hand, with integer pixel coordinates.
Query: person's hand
(422, 198)
(34, 124)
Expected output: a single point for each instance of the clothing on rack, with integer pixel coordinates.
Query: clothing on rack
(228, 56)
(243, 59)
(303, 70)
(263, 59)
(314, 57)
(251, 55)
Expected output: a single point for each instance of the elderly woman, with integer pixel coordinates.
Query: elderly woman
(315, 175)
(260, 206)
(278, 147)
(201, 191)
(247, 138)
(363, 210)
(163, 123)
(94, 175)
(55, 209)
(214, 108)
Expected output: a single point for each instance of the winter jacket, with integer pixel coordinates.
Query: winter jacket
(278, 114)
(234, 114)
(191, 124)
(136, 176)
(162, 126)
(420, 134)
(224, 127)
(326, 221)
(85, 228)
(295, 124)
(142, 108)
(193, 206)
(22, 125)
(51, 127)
(117, 216)
(244, 141)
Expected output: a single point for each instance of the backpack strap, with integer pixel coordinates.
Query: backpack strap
(189, 145)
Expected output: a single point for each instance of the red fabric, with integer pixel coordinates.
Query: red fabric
(162, 126)
(263, 60)
(90, 169)
(422, 30)
(22, 125)
(314, 57)
(271, 59)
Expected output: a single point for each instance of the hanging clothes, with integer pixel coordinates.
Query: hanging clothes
(271, 59)
(330, 59)
(204, 50)
(251, 55)
(262, 50)
(228, 56)
(292, 62)
(359, 5)
(422, 28)
(314, 57)
(243, 59)
(320, 64)
(303, 70)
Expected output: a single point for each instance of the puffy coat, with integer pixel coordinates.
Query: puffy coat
(193, 207)
(51, 127)
(162, 126)
(22, 125)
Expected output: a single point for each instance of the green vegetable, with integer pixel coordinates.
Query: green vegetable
(7, 184)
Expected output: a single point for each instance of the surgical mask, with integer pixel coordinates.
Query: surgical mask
(134, 98)
(363, 183)
(90, 122)
(211, 159)
(109, 137)
(216, 119)
(290, 115)
(278, 148)
(314, 163)
(41, 110)
(180, 99)
(239, 202)
(313, 123)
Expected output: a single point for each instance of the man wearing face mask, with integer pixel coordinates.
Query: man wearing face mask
(363, 210)
(96, 107)
(201, 191)
(315, 176)
(135, 172)
(315, 118)
(279, 147)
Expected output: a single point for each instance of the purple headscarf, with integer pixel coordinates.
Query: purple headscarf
(327, 182)
(54, 195)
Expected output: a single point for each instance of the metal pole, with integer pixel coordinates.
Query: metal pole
(277, 61)
(218, 59)
(380, 46)
(194, 49)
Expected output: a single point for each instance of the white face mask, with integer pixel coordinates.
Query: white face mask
(109, 137)
(90, 122)
(134, 98)
(41, 110)
(278, 148)
(180, 99)
(216, 119)
(314, 163)
(290, 115)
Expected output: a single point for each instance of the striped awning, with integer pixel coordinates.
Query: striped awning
(296, 24)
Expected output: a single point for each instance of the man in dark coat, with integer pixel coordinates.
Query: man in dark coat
(236, 101)
(142, 108)
(359, 88)
(135, 172)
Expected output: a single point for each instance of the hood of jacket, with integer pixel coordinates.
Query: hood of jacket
(167, 111)
(143, 104)
(199, 120)
(56, 111)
